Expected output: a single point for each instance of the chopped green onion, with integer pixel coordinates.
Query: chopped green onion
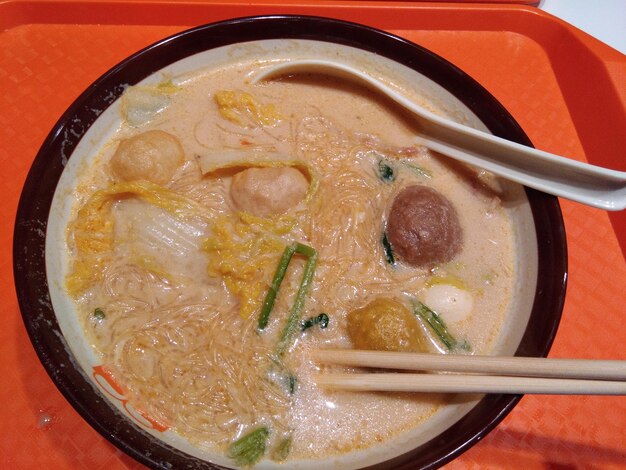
(296, 310)
(388, 250)
(98, 313)
(291, 383)
(282, 449)
(438, 326)
(385, 171)
(248, 449)
(418, 169)
(279, 275)
(280, 375)
(322, 320)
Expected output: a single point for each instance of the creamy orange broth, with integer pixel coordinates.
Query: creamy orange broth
(175, 335)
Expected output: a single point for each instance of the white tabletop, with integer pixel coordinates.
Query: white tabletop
(603, 19)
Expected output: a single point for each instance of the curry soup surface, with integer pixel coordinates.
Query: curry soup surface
(169, 274)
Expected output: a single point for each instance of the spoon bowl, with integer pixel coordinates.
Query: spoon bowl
(581, 182)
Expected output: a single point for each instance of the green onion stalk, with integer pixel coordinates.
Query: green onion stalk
(248, 449)
(437, 324)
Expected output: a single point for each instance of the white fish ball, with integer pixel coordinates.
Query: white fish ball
(451, 303)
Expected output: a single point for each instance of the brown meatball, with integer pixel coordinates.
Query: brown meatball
(151, 155)
(268, 191)
(385, 325)
(423, 227)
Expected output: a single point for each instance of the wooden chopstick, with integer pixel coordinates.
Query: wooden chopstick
(500, 365)
(458, 383)
(484, 374)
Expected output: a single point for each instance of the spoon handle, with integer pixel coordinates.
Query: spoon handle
(588, 184)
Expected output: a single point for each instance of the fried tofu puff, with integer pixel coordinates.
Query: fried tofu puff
(385, 325)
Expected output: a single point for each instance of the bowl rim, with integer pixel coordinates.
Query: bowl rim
(36, 198)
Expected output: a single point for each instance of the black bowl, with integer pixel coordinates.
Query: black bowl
(35, 203)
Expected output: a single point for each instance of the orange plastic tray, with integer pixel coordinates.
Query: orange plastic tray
(567, 90)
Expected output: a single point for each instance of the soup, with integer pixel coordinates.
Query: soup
(227, 230)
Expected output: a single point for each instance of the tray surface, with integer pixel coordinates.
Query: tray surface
(51, 51)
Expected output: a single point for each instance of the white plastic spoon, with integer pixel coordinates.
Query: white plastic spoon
(588, 184)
